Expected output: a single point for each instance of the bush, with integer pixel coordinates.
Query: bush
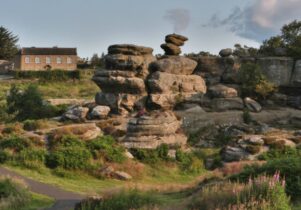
(65, 141)
(189, 162)
(31, 125)
(122, 201)
(70, 157)
(28, 104)
(286, 152)
(13, 195)
(246, 116)
(253, 82)
(262, 193)
(290, 168)
(52, 75)
(4, 156)
(107, 149)
(14, 143)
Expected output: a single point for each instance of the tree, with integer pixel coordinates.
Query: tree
(96, 61)
(289, 39)
(8, 41)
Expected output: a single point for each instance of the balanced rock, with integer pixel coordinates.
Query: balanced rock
(174, 65)
(171, 49)
(129, 49)
(175, 39)
(150, 131)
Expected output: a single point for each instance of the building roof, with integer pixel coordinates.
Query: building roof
(48, 51)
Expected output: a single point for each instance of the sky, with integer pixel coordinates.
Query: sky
(93, 25)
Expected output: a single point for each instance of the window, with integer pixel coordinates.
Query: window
(69, 60)
(58, 60)
(27, 59)
(37, 60)
(48, 60)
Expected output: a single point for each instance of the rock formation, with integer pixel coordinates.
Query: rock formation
(173, 43)
(122, 81)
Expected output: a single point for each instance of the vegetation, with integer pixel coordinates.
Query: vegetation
(14, 195)
(261, 193)
(8, 44)
(122, 201)
(290, 168)
(289, 39)
(253, 82)
(28, 104)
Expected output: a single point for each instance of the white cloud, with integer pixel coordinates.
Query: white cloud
(259, 20)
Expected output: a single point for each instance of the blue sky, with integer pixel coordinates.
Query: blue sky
(93, 25)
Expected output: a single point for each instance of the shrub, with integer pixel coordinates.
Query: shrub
(13, 195)
(253, 82)
(71, 157)
(65, 141)
(53, 75)
(122, 201)
(290, 168)
(28, 104)
(262, 193)
(31, 125)
(189, 162)
(4, 156)
(246, 116)
(14, 143)
(286, 152)
(107, 149)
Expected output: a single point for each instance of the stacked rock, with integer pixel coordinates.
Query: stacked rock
(153, 130)
(173, 43)
(122, 81)
(172, 81)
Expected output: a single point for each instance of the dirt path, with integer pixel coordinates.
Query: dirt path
(65, 200)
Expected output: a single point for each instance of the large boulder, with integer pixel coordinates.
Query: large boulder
(76, 114)
(278, 70)
(160, 82)
(224, 104)
(222, 91)
(174, 65)
(226, 52)
(252, 105)
(152, 130)
(100, 112)
(118, 84)
(230, 154)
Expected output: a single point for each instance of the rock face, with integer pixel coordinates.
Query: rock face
(150, 131)
(296, 78)
(277, 69)
(225, 52)
(122, 82)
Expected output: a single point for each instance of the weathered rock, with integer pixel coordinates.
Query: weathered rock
(174, 65)
(129, 49)
(153, 130)
(280, 51)
(169, 101)
(76, 114)
(100, 112)
(160, 82)
(252, 105)
(120, 84)
(222, 91)
(87, 131)
(67, 101)
(296, 78)
(177, 36)
(252, 139)
(120, 102)
(121, 175)
(278, 70)
(225, 52)
(171, 49)
(174, 40)
(294, 101)
(223, 104)
(230, 154)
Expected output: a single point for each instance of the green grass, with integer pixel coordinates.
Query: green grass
(83, 89)
(38, 202)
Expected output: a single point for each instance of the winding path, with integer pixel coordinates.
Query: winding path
(65, 200)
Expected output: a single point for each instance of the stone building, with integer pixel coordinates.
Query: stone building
(35, 59)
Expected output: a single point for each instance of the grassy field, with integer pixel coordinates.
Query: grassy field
(81, 89)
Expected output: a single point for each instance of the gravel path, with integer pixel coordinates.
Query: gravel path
(65, 200)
